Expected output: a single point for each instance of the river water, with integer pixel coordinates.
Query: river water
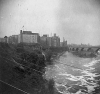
(75, 75)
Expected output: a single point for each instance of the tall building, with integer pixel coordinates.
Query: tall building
(28, 37)
(55, 41)
(64, 42)
(2, 40)
(12, 39)
(49, 41)
(43, 40)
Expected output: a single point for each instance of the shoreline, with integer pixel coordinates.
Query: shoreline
(85, 54)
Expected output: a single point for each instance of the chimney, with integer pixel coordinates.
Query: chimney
(21, 36)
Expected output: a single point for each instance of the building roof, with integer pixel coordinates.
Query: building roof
(30, 33)
(27, 32)
(45, 35)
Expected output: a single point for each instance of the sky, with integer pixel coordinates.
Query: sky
(78, 21)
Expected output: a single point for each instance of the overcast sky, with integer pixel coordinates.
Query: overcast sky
(76, 20)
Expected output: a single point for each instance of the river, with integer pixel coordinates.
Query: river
(75, 75)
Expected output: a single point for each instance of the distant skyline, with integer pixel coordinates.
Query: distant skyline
(78, 21)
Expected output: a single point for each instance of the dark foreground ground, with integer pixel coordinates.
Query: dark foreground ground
(24, 68)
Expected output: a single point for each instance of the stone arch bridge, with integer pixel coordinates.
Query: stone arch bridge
(93, 49)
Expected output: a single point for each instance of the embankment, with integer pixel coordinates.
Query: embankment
(84, 54)
(24, 69)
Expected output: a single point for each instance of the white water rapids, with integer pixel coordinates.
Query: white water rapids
(74, 75)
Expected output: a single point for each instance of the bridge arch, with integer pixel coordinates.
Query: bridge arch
(77, 49)
(73, 49)
(98, 50)
(82, 49)
(86, 49)
(89, 49)
(70, 49)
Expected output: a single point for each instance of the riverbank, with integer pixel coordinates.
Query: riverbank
(84, 54)
(24, 68)
(50, 55)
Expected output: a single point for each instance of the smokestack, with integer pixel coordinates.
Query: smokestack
(21, 36)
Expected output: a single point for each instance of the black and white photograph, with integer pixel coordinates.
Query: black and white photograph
(49, 46)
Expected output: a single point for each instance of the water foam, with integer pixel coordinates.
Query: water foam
(85, 82)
